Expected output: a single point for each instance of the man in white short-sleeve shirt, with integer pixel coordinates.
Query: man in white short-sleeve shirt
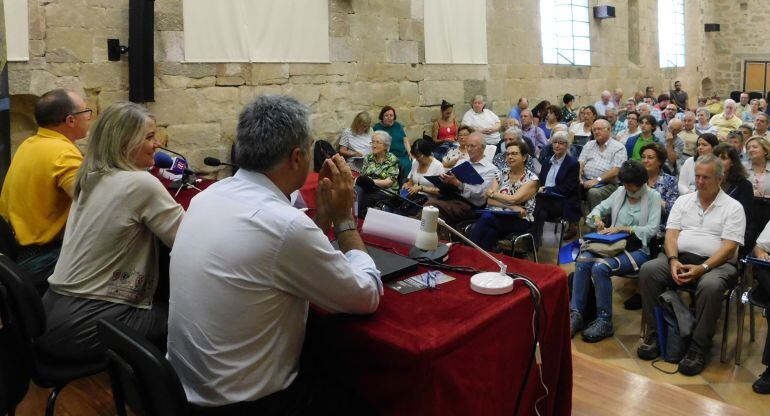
(246, 264)
(600, 163)
(703, 233)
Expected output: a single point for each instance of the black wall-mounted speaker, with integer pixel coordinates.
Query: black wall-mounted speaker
(604, 12)
(711, 27)
(141, 46)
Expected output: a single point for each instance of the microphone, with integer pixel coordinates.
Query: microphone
(174, 165)
(212, 161)
(367, 184)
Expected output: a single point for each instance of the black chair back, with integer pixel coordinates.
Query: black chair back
(8, 244)
(140, 373)
(22, 318)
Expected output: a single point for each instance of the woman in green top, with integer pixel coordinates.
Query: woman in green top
(382, 167)
(401, 146)
(634, 145)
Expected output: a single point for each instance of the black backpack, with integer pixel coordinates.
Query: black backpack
(675, 326)
(322, 150)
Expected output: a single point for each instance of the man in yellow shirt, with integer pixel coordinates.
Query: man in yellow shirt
(726, 120)
(37, 192)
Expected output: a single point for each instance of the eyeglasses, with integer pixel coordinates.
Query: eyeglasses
(86, 111)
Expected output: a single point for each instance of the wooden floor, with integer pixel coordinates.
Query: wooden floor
(599, 389)
(604, 389)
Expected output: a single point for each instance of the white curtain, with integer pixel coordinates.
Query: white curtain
(256, 31)
(16, 29)
(455, 31)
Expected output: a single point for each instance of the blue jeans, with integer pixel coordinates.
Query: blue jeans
(490, 228)
(600, 274)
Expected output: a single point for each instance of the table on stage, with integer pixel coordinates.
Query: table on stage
(451, 350)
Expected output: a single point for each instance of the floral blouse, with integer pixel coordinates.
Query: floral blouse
(509, 188)
(387, 169)
(669, 192)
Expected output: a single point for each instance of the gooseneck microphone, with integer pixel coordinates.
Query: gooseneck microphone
(367, 184)
(212, 161)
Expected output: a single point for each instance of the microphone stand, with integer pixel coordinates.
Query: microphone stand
(188, 177)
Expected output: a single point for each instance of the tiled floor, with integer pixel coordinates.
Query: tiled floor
(725, 382)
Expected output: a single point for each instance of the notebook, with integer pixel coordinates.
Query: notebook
(390, 265)
(498, 211)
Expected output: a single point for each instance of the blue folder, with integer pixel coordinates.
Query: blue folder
(606, 238)
(758, 262)
(569, 252)
(552, 193)
(466, 174)
(499, 211)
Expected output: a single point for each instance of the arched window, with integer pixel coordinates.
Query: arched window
(564, 31)
(671, 33)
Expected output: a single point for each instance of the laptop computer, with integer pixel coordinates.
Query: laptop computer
(390, 265)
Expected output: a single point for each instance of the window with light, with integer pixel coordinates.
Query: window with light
(565, 33)
(671, 33)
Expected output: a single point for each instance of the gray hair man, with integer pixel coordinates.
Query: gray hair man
(454, 210)
(604, 103)
(726, 120)
(265, 260)
(760, 125)
(703, 233)
(600, 163)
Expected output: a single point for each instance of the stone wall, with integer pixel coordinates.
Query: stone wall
(377, 55)
(741, 38)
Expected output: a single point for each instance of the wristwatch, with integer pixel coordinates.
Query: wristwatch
(706, 267)
(599, 179)
(345, 226)
(672, 258)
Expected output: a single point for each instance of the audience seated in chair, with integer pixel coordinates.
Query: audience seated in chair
(600, 162)
(356, 140)
(634, 208)
(513, 191)
(703, 233)
(416, 186)
(400, 144)
(704, 146)
(461, 201)
(383, 168)
(558, 194)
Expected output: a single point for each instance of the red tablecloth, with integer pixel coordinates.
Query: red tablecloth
(454, 351)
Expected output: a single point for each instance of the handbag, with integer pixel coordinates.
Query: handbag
(606, 250)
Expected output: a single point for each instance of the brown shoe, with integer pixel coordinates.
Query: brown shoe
(571, 232)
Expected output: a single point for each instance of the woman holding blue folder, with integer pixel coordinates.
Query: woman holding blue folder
(512, 197)
(635, 210)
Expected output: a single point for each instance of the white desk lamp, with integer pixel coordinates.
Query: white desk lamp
(405, 230)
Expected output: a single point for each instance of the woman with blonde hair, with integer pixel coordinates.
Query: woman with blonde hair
(356, 140)
(108, 267)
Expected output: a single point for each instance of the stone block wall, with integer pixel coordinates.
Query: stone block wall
(377, 58)
(741, 38)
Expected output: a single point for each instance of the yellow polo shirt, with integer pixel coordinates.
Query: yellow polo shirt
(724, 125)
(33, 199)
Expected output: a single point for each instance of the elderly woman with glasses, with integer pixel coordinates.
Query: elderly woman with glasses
(558, 193)
(382, 168)
(634, 208)
(703, 125)
(108, 267)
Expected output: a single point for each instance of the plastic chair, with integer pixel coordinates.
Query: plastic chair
(24, 321)
(140, 373)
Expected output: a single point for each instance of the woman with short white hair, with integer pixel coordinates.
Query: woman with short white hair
(483, 120)
(382, 167)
